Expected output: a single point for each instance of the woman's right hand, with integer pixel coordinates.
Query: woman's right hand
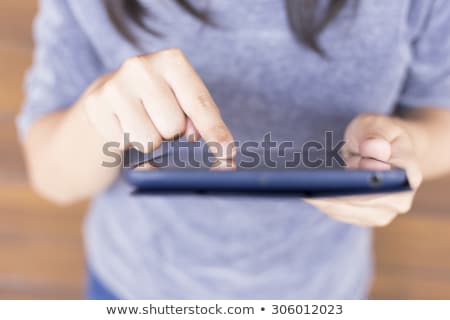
(150, 98)
(156, 97)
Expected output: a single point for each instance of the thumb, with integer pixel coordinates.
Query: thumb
(375, 148)
(382, 138)
(371, 136)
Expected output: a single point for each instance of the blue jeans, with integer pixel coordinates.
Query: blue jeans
(96, 290)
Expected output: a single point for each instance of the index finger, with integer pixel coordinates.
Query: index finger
(198, 104)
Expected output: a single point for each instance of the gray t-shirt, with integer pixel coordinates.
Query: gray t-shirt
(390, 53)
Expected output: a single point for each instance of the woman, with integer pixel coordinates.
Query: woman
(241, 69)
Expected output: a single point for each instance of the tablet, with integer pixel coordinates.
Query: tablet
(278, 176)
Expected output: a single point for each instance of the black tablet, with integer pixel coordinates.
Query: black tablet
(259, 175)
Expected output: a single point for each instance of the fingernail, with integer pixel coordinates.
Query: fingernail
(229, 149)
(224, 164)
(225, 150)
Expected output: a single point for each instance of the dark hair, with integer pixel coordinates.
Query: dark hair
(302, 16)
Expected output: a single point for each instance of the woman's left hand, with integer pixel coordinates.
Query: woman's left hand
(375, 142)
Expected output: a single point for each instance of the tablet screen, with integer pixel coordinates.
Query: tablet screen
(178, 155)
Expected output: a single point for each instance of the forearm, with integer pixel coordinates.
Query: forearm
(64, 156)
(429, 129)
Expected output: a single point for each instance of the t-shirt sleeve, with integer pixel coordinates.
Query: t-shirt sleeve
(428, 78)
(64, 64)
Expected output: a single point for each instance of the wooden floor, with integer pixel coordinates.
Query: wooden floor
(40, 244)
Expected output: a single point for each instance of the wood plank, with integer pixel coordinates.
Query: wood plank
(40, 246)
(17, 60)
(51, 263)
(434, 196)
(25, 214)
(12, 167)
(404, 284)
(412, 258)
(15, 22)
(36, 293)
(16, 288)
(418, 240)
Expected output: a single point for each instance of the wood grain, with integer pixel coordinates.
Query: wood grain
(412, 258)
(40, 246)
(15, 61)
(12, 166)
(15, 22)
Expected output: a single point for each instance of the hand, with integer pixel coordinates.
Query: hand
(385, 139)
(156, 97)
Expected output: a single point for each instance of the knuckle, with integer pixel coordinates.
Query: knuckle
(132, 63)
(110, 89)
(378, 123)
(205, 101)
(176, 129)
(169, 55)
(130, 68)
(370, 119)
(172, 52)
(115, 97)
(93, 101)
